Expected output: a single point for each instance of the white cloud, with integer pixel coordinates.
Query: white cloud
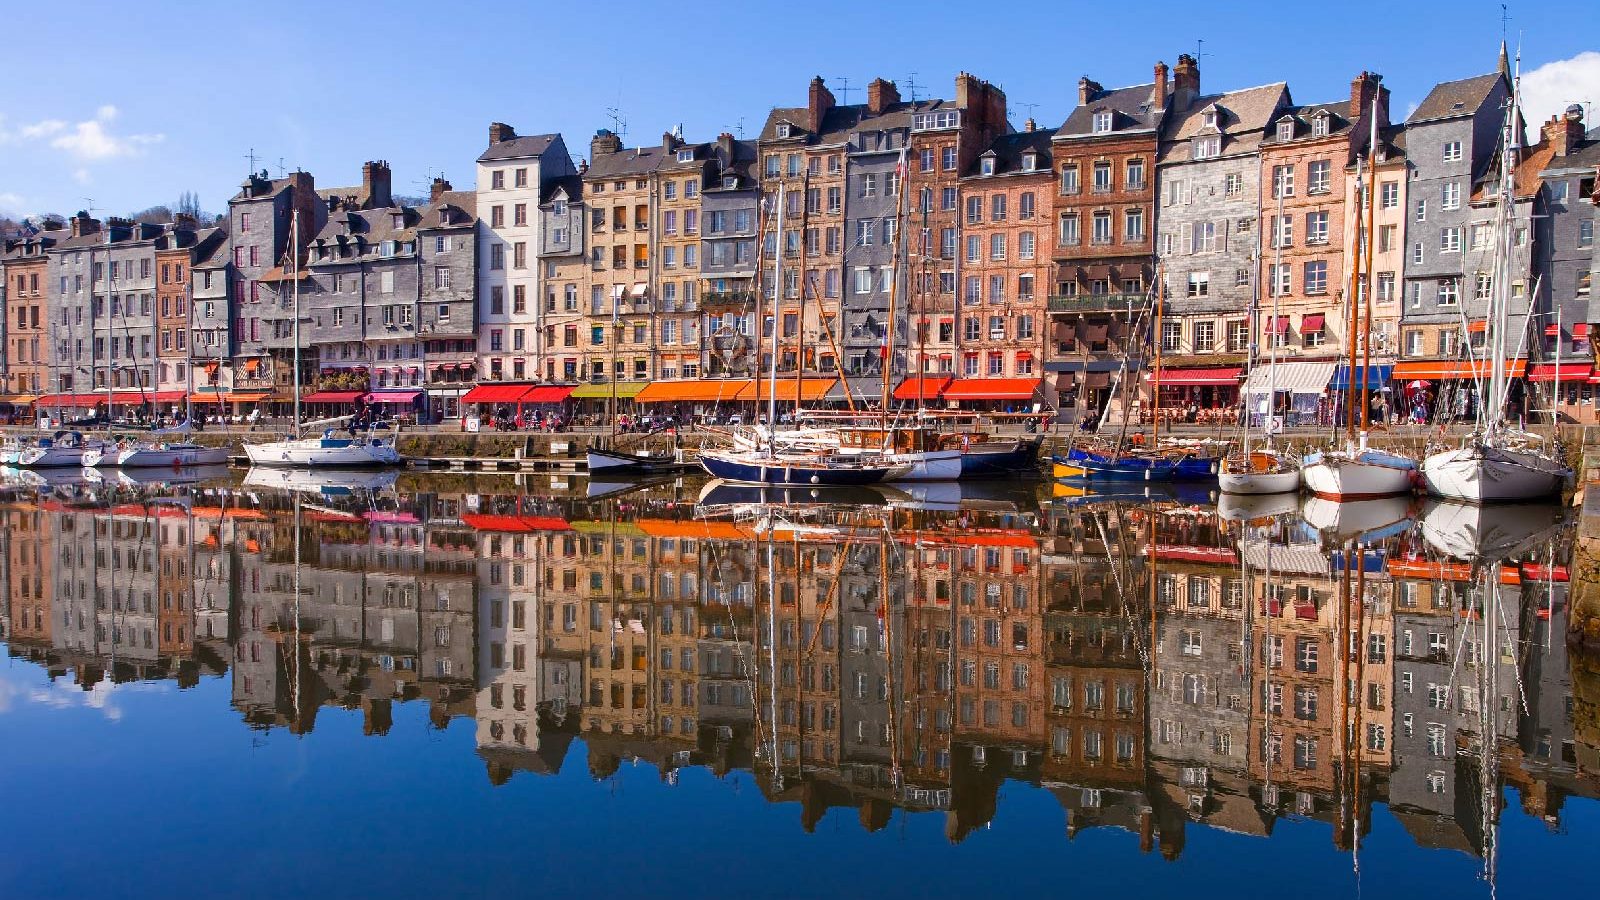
(81, 176)
(42, 129)
(106, 113)
(1548, 90)
(11, 203)
(91, 140)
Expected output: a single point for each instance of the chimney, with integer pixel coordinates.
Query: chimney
(968, 89)
(1185, 81)
(604, 142)
(500, 131)
(1158, 94)
(881, 95)
(1363, 89)
(1030, 125)
(725, 148)
(818, 103)
(183, 220)
(375, 184)
(437, 189)
(669, 142)
(81, 224)
(583, 167)
(1088, 90)
(1564, 132)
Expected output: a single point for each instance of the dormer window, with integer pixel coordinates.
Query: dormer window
(986, 165)
(1207, 146)
(783, 129)
(1030, 162)
(685, 155)
(559, 207)
(1286, 130)
(399, 220)
(1319, 125)
(386, 249)
(1102, 122)
(1209, 118)
(729, 182)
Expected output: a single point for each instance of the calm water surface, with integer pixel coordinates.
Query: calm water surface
(443, 687)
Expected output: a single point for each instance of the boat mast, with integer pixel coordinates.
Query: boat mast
(1499, 299)
(1368, 199)
(886, 361)
(616, 324)
(800, 317)
(1354, 302)
(1156, 291)
(772, 363)
(1272, 339)
(294, 254)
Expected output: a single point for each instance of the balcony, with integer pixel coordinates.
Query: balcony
(728, 298)
(1089, 303)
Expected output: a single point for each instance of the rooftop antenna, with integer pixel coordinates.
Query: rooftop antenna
(280, 167)
(911, 86)
(619, 125)
(1505, 16)
(1029, 107)
(739, 127)
(844, 89)
(1199, 50)
(251, 156)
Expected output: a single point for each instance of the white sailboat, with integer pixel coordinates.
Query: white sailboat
(1356, 472)
(1262, 470)
(327, 450)
(1497, 463)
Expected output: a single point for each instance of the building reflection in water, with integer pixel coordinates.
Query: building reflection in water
(1152, 665)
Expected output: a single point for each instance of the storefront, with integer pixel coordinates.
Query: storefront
(514, 405)
(594, 398)
(1448, 390)
(1295, 393)
(720, 400)
(921, 391)
(1015, 396)
(128, 406)
(1374, 379)
(403, 406)
(1204, 394)
(1568, 388)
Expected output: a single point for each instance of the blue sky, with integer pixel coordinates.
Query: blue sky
(130, 104)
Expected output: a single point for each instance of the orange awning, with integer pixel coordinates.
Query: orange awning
(922, 387)
(1478, 325)
(523, 524)
(1571, 372)
(1445, 571)
(810, 389)
(992, 389)
(687, 391)
(694, 529)
(1453, 369)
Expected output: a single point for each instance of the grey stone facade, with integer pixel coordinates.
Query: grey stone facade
(729, 254)
(1564, 228)
(260, 221)
(104, 316)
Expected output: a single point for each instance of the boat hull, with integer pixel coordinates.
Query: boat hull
(793, 472)
(1360, 476)
(1259, 482)
(1482, 474)
(51, 458)
(322, 453)
(614, 463)
(933, 465)
(169, 457)
(1003, 458)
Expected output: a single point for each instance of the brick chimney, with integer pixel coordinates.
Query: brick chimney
(375, 183)
(725, 148)
(1088, 90)
(437, 189)
(818, 102)
(669, 142)
(1185, 81)
(881, 95)
(1564, 132)
(81, 224)
(1030, 125)
(1158, 93)
(1365, 88)
(500, 131)
(604, 142)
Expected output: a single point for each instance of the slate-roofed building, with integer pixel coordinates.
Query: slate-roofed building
(685, 171)
(564, 255)
(262, 218)
(1564, 225)
(729, 251)
(27, 289)
(1105, 156)
(620, 193)
(447, 323)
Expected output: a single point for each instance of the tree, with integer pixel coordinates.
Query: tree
(155, 215)
(189, 205)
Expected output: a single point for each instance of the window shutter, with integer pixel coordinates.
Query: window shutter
(1186, 237)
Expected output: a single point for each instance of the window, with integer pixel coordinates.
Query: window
(1025, 245)
(1586, 234)
(1450, 195)
(1199, 284)
(947, 156)
(997, 246)
(1319, 177)
(1102, 122)
(1389, 194)
(1316, 228)
(1286, 130)
(1283, 232)
(1418, 253)
(1171, 336)
(997, 208)
(1206, 146)
(1238, 337)
(1422, 210)
(986, 165)
(1233, 184)
(1452, 151)
(1102, 177)
(1205, 336)
(1133, 225)
(1069, 180)
(1316, 277)
(1305, 654)
(1450, 239)
(1319, 125)
(1282, 181)
(1449, 292)
(1102, 228)
(1068, 234)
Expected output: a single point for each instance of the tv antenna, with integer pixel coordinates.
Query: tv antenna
(844, 89)
(619, 125)
(1030, 107)
(911, 86)
(251, 156)
(739, 127)
(280, 167)
(1199, 50)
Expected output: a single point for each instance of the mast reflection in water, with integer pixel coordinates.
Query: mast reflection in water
(1164, 676)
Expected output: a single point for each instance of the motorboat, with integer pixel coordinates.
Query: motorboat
(326, 451)
(798, 469)
(1357, 474)
(64, 450)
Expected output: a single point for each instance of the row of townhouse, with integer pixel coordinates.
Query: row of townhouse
(921, 246)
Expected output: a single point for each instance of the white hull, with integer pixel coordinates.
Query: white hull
(51, 458)
(1259, 482)
(170, 456)
(1472, 532)
(933, 465)
(1344, 476)
(321, 452)
(1239, 507)
(1481, 474)
(1360, 519)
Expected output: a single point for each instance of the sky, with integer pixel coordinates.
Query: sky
(118, 106)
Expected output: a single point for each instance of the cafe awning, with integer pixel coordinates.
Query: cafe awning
(18, 399)
(547, 393)
(1312, 322)
(245, 396)
(496, 393)
(922, 387)
(331, 397)
(809, 390)
(393, 398)
(1569, 371)
(1218, 375)
(712, 390)
(1292, 377)
(992, 389)
(1453, 369)
(1376, 378)
(626, 390)
(513, 523)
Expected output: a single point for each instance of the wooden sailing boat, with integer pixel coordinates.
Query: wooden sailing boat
(1356, 472)
(1496, 463)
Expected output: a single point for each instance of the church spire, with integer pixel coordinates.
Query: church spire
(1505, 61)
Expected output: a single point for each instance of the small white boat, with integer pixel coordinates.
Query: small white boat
(168, 455)
(1357, 474)
(1484, 473)
(617, 462)
(11, 451)
(64, 450)
(1263, 472)
(326, 451)
(1241, 507)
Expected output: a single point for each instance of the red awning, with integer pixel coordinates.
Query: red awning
(496, 393)
(1223, 375)
(399, 398)
(549, 393)
(1283, 325)
(331, 397)
(490, 522)
(1311, 322)
(1570, 372)
(992, 389)
(930, 387)
(1580, 329)
(1477, 326)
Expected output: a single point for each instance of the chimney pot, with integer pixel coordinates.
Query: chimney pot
(881, 95)
(1158, 93)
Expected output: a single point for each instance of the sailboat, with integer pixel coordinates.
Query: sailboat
(326, 450)
(1262, 470)
(1495, 462)
(1357, 472)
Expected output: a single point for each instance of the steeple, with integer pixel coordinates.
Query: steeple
(1505, 61)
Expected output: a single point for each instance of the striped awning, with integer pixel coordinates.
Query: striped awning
(1293, 377)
